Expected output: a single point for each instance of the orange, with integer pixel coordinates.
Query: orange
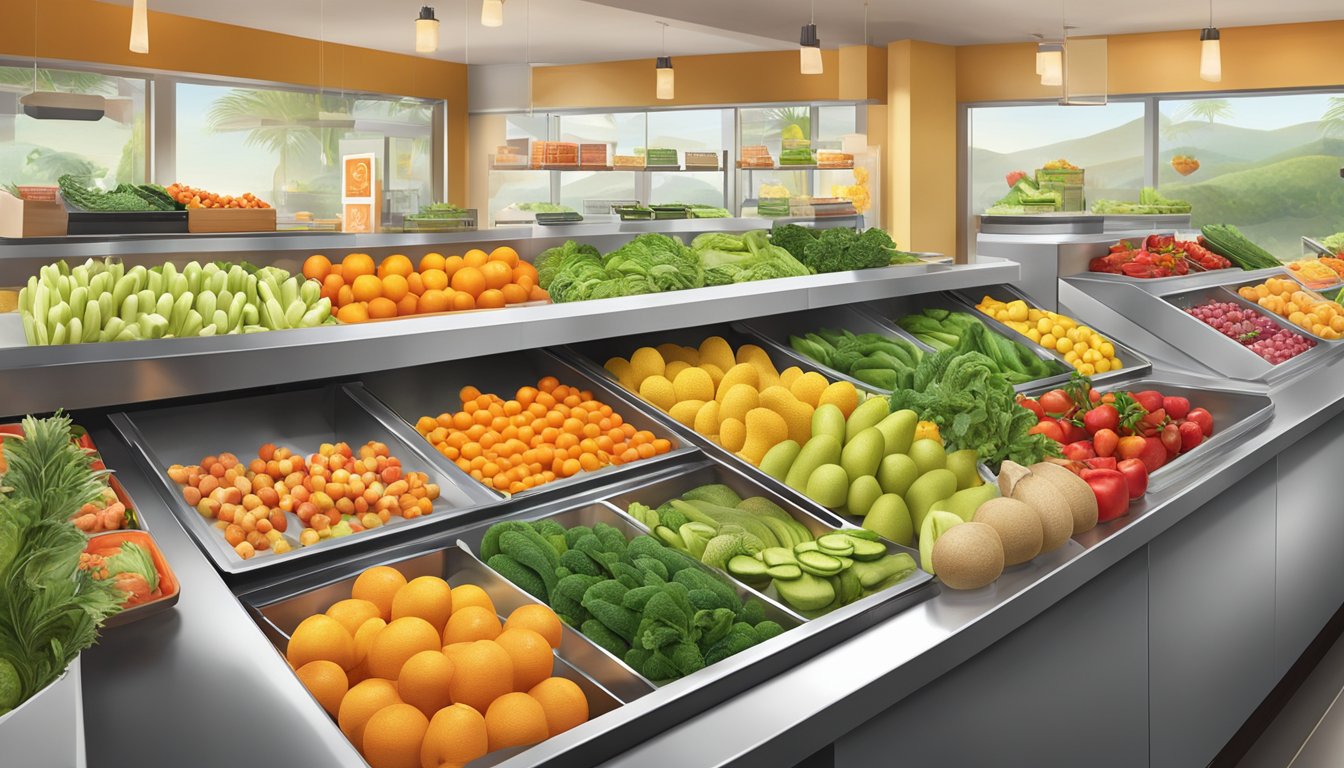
(456, 736)
(316, 267)
(397, 642)
(379, 586)
(471, 623)
(514, 293)
(392, 737)
(382, 307)
(469, 280)
(356, 264)
(409, 305)
(563, 701)
(463, 300)
(497, 274)
(505, 254)
(475, 257)
(427, 597)
(336, 270)
(483, 671)
(470, 594)
(363, 642)
(424, 681)
(434, 279)
(331, 285)
(531, 656)
(367, 287)
(323, 638)
(490, 299)
(396, 264)
(352, 613)
(430, 261)
(539, 619)
(344, 296)
(538, 294)
(452, 264)
(395, 287)
(525, 269)
(515, 720)
(415, 283)
(361, 703)
(434, 301)
(326, 681)
(353, 313)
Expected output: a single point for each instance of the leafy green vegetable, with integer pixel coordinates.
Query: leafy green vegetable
(1150, 203)
(944, 330)
(1228, 241)
(135, 559)
(1335, 242)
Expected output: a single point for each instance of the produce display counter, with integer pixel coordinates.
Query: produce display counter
(883, 669)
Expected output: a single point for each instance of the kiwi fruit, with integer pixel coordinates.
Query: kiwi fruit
(1018, 526)
(968, 556)
(1056, 519)
(1075, 490)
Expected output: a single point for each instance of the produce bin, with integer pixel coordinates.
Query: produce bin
(47, 729)
(1232, 286)
(169, 586)
(433, 389)
(299, 420)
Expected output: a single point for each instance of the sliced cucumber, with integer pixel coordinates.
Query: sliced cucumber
(819, 564)
(836, 544)
(806, 593)
(785, 571)
(806, 546)
(778, 556)
(867, 550)
(747, 567)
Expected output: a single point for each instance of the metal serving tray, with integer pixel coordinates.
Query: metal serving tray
(299, 420)
(653, 493)
(607, 685)
(1235, 414)
(887, 311)
(432, 389)
(1135, 364)
(1234, 286)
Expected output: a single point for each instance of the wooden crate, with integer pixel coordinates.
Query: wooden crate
(206, 220)
(32, 218)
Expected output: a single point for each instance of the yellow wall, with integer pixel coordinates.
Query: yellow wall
(88, 31)
(921, 146)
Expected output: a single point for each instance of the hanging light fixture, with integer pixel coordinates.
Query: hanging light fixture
(809, 47)
(426, 31)
(666, 78)
(140, 27)
(1210, 52)
(492, 13)
(1050, 63)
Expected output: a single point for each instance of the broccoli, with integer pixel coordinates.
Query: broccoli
(739, 638)
(768, 629)
(752, 612)
(647, 546)
(591, 546)
(612, 539)
(526, 578)
(552, 532)
(599, 633)
(712, 626)
(694, 578)
(714, 493)
(652, 566)
(793, 239)
(529, 549)
(637, 599)
(840, 250)
(667, 618)
(490, 543)
(578, 562)
(574, 534)
(627, 574)
(603, 601)
(567, 597)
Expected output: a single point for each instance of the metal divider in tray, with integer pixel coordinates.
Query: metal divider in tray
(1135, 364)
(299, 420)
(1233, 287)
(606, 683)
(433, 389)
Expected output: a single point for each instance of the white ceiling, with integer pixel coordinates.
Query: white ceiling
(575, 31)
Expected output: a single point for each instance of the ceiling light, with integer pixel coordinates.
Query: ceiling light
(665, 78)
(492, 13)
(1050, 63)
(1210, 55)
(426, 31)
(140, 27)
(809, 51)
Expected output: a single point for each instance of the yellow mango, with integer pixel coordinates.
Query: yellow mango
(715, 350)
(744, 373)
(715, 373)
(646, 362)
(684, 412)
(732, 434)
(624, 373)
(797, 415)
(659, 391)
(707, 419)
(671, 352)
(765, 429)
(740, 399)
(673, 368)
(694, 384)
(808, 388)
(843, 394)
(789, 375)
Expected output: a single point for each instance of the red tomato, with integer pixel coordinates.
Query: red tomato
(1204, 419)
(1176, 407)
(1154, 454)
(1129, 447)
(1056, 401)
(1072, 432)
(1191, 435)
(1104, 442)
(1031, 405)
(1093, 396)
(1155, 417)
(1102, 462)
(1048, 428)
(1171, 439)
(1111, 490)
(1136, 476)
(1150, 399)
(1080, 451)
(1101, 417)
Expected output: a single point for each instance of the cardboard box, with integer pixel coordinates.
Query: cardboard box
(206, 220)
(32, 218)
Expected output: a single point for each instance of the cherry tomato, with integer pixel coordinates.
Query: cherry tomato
(1048, 428)
(1191, 435)
(1204, 419)
(1176, 407)
(1104, 442)
(1150, 399)
(1056, 401)
(1080, 451)
(1101, 417)
(1171, 439)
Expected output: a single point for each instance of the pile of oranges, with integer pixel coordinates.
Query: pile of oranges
(1285, 298)
(419, 673)
(547, 431)
(360, 290)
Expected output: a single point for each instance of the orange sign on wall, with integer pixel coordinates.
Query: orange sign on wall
(359, 193)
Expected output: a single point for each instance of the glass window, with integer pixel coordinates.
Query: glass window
(512, 188)
(1268, 164)
(694, 130)
(105, 153)
(766, 126)
(1107, 142)
(285, 145)
(834, 124)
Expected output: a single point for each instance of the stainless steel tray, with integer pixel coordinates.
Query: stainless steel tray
(888, 311)
(300, 420)
(432, 389)
(1233, 286)
(1235, 413)
(654, 492)
(607, 685)
(1135, 364)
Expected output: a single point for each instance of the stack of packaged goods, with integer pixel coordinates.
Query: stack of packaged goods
(506, 156)
(756, 156)
(829, 158)
(547, 153)
(628, 161)
(593, 155)
(661, 157)
(703, 160)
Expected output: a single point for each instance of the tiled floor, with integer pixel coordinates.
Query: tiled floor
(1309, 731)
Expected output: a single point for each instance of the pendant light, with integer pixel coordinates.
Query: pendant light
(492, 13)
(140, 27)
(809, 47)
(1210, 52)
(665, 77)
(426, 31)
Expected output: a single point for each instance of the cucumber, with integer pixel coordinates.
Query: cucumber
(747, 567)
(865, 550)
(806, 593)
(778, 556)
(818, 563)
(784, 571)
(836, 545)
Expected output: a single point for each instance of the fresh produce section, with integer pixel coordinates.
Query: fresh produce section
(756, 541)
(111, 510)
(123, 198)
(1150, 203)
(874, 359)
(190, 197)
(1252, 330)
(1227, 240)
(1158, 256)
(839, 249)
(542, 433)
(1086, 350)
(947, 329)
(654, 608)
(1318, 316)
(1320, 272)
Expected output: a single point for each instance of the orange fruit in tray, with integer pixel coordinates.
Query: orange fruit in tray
(455, 737)
(331, 286)
(465, 595)
(475, 257)
(469, 280)
(482, 672)
(356, 264)
(427, 597)
(452, 264)
(367, 288)
(463, 300)
(355, 312)
(434, 279)
(514, 293)
(434, 301)
(395, 287)
(396, 264)
(563, 701)
(539, 619)
(316, 267)
(415, 283)
(531, 656)
(381, 308)
(361, 703)
(497, 274)
(409, 305)
(363, 642)
(321, 638)
(490, 299)
(393, 735)
(470, 623)
(352, 613)
(398, 642)
(326, 681)
(515, 720)
(424, 681)
(379, 586)
(430, 261)
(505, 254)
